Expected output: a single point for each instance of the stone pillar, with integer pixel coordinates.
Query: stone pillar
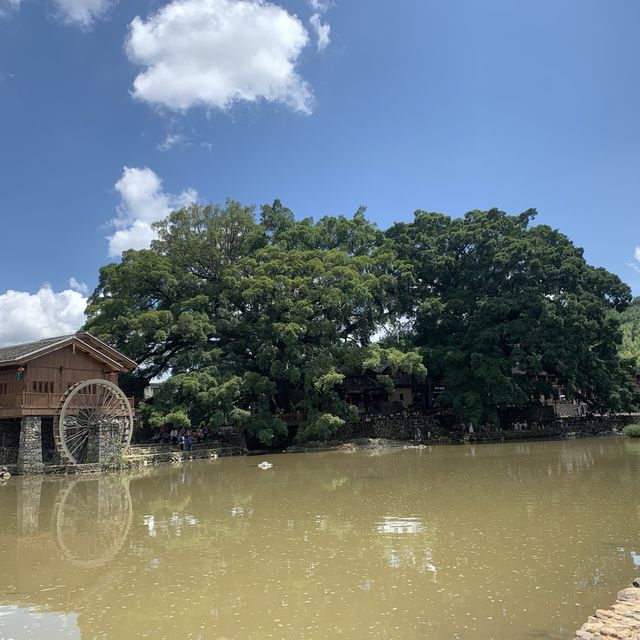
(110, 439)
(29, 490)
(30, 451)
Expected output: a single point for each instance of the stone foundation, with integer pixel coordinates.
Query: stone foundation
(110, 440)
(30, 449)
(621, 621)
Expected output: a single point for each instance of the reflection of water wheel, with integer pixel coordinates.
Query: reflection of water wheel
(93, 420)
(93, 520)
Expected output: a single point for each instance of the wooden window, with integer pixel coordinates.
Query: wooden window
(3, 388)
(42, 386)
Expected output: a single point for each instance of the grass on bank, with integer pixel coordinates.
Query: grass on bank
(632, 430)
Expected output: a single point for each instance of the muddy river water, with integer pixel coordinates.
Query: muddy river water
(504, 542)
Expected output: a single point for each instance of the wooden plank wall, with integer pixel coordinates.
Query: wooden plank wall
(8, 377)
(61, 369)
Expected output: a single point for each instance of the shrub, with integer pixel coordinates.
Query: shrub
(632, 430)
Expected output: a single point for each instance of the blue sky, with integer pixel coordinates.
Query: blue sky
(114, 112)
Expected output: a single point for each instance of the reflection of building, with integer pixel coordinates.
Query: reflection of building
(407, 543)
(37, 379)
(390, 524)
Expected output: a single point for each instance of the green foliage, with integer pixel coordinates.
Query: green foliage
(500, 307)
(319, 426)
(260, 318)
(632, 430)
(178, 419)
(630, 326)
(256, 320)
(116, 462)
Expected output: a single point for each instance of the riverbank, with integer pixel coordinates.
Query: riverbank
(621, 621)
(380, 433)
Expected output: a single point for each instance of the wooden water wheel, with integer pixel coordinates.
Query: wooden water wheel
(93, 420)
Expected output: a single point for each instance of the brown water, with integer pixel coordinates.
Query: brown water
(510, 541)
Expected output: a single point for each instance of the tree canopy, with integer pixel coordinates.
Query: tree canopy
(502, 307)
(260, 316)
(256, 319)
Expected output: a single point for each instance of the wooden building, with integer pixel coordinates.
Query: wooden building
(370, 395)
(43, 386)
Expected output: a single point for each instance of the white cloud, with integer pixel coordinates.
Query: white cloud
(320, 6)
(213, 53)
(321, 30)
(81, 287)
(82, 13)
(32, 316)
(143, 201)
(8, 5)
(171, 141)
(636, 254)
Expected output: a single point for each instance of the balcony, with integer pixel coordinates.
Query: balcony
(28, 403)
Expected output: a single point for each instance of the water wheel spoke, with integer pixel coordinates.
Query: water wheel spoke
(94, 419)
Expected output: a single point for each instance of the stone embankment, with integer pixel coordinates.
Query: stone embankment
(142, 456)
(620, 622)
(137, 456)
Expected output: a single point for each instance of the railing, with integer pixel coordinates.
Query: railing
(32, 400)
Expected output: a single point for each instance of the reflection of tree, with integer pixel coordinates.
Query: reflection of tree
(93, 520)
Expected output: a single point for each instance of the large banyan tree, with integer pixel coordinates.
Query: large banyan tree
(501, 308)
(258, 317)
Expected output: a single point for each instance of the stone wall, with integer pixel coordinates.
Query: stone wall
(30, 451)
(621, 621)
(110, 439)
(595, 423)
(399, 427)
(412, 427)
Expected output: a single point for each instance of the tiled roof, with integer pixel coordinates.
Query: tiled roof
(17, 351)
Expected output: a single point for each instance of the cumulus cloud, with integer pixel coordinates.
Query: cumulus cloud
(33, 316)
(81, 287)
(8, 5)
(143, 201)
(321, 30)
(82, 13)
(214, 53)
(636, 254)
